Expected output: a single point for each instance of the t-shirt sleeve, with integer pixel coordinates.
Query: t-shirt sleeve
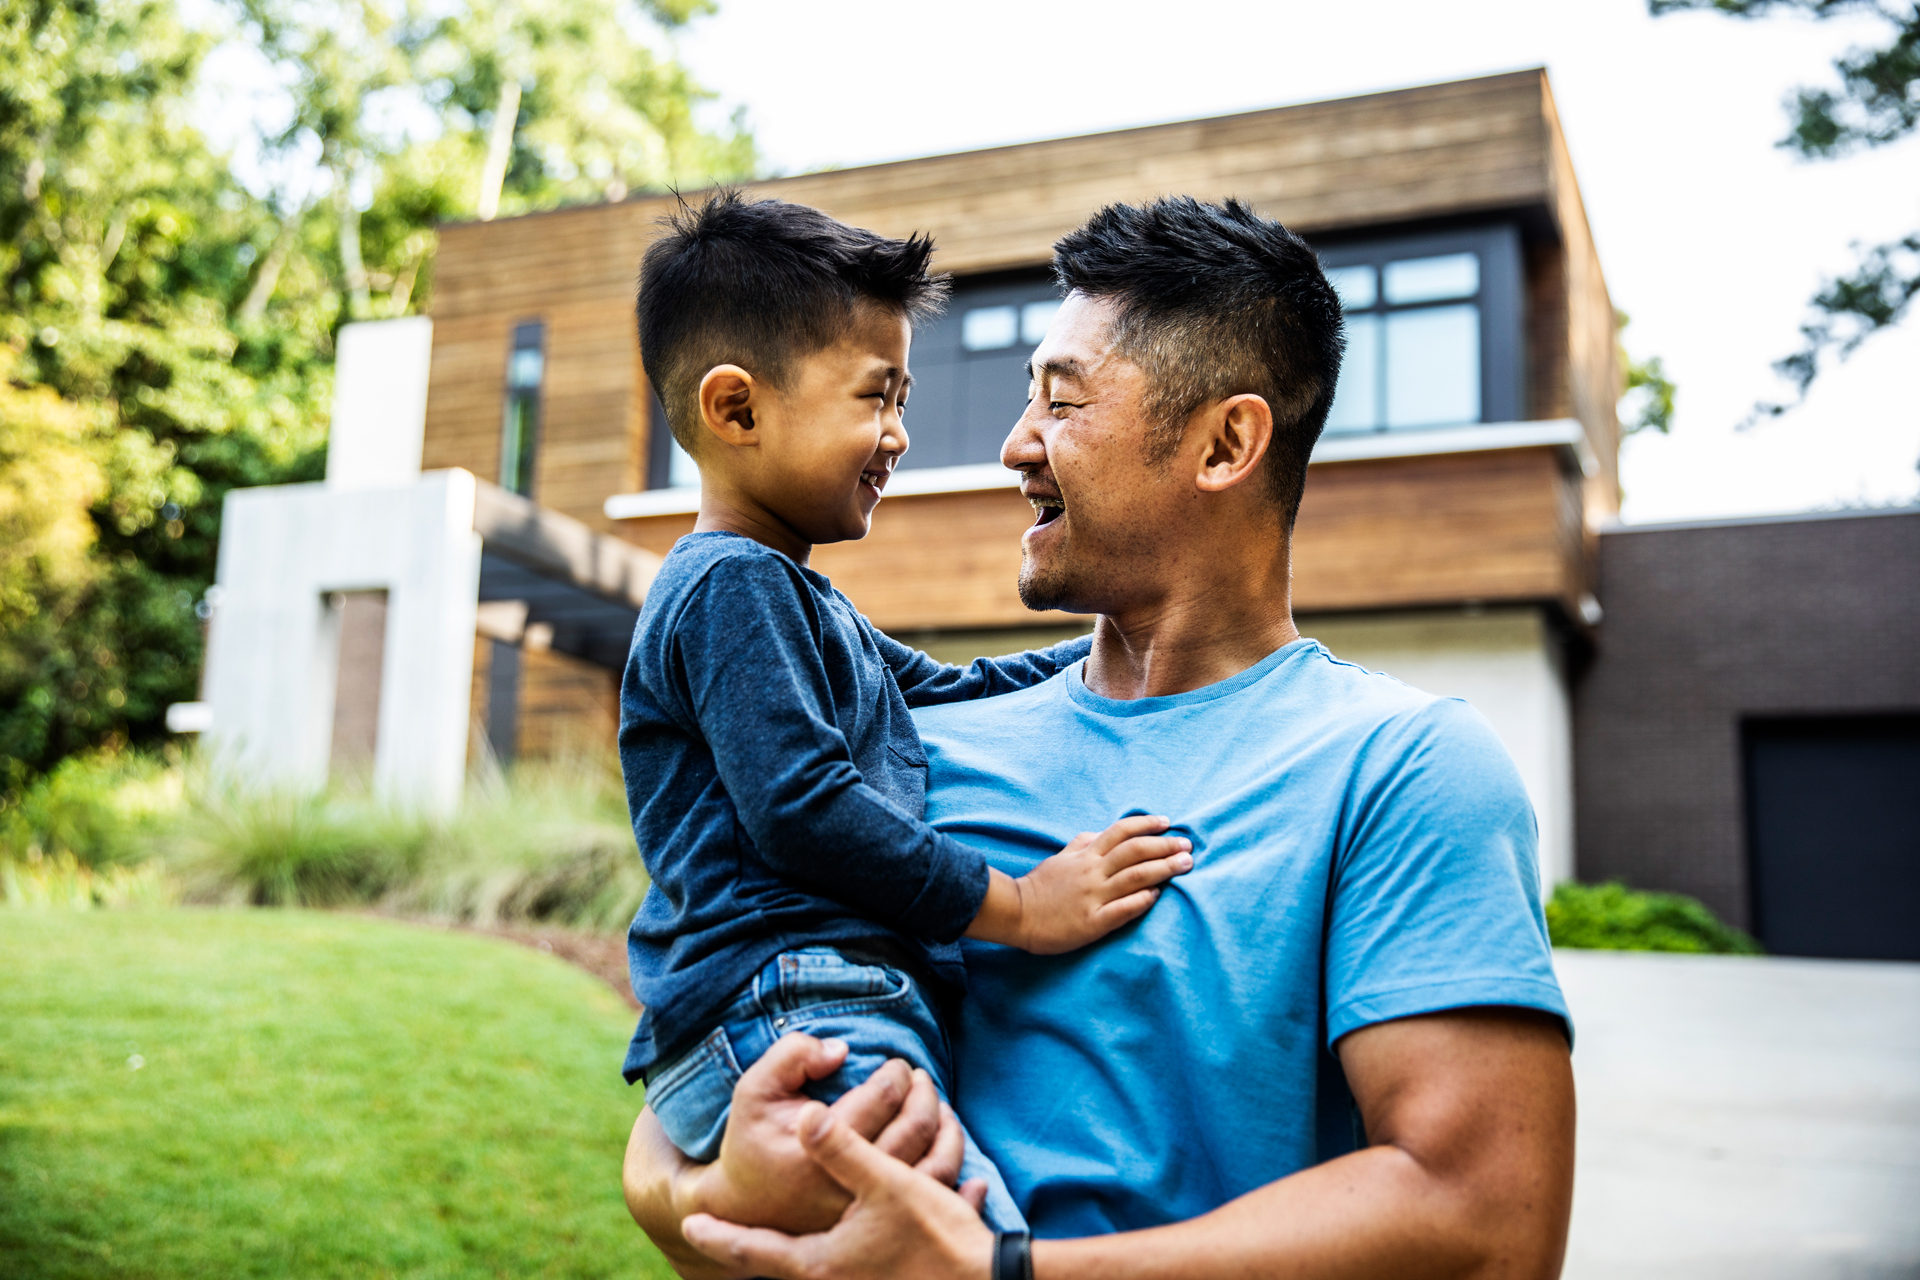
(748, 671)
(925, 682)
(1435, 900)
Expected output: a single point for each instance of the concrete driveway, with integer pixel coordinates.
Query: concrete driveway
(1743, 1117)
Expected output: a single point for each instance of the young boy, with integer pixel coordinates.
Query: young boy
(776, 783)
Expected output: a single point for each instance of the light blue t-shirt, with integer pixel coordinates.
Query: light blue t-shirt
(1362, 852)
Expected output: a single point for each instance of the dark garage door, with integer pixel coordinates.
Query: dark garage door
(1833, 829)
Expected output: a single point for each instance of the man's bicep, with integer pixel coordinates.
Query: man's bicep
(1481, 1097)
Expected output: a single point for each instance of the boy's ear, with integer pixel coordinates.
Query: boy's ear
(726, 404)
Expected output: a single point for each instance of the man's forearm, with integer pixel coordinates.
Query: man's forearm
(1370, 1214)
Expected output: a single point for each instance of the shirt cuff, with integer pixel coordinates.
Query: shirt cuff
(951, 895)
(1513, 991)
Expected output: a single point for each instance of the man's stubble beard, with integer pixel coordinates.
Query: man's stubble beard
(1049, 588)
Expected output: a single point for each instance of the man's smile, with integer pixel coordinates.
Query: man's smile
(1047, 503)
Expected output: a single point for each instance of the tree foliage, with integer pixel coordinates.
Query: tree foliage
(1646, 400)
(1877, 102)
(166, 333)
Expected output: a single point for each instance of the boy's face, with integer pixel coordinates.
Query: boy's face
(831, 437)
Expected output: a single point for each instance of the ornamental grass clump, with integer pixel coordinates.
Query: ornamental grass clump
(545, 842)
(548, 842)
(242, 847)
(1612, 917)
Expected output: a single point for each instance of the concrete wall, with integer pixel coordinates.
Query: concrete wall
(275, 642)
(1504, 662)
(1706, 624)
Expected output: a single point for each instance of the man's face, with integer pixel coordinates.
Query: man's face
(1100, 506)
(837, 429)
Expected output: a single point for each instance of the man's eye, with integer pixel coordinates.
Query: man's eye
(1057, 405)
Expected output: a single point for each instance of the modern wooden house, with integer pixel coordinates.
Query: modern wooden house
(1448, 531)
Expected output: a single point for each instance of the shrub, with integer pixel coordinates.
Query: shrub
(103, 807)
(63, 881)
(1612, 917)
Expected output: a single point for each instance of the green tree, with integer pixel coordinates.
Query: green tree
(534, 103)
(1646, 399)
(120, 238)
(1877, 102)
(167, 335)
(560, 101)
(118, 263)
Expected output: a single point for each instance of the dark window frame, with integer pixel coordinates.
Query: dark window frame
(1501, 299)
(659, 444)
(521, 412)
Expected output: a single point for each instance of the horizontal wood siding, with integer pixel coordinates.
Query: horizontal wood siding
(1435, 530)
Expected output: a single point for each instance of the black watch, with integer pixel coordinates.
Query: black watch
(1012, 1255)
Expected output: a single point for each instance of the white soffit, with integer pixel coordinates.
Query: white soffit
(1563, 433)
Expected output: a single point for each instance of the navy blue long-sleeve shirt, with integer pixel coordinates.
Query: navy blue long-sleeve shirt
(777, 784)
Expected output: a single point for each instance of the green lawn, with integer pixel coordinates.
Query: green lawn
(284, 1093)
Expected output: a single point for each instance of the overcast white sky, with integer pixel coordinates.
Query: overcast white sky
(1712, 238)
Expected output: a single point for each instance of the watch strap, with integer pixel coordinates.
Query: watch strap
(1012, 1255)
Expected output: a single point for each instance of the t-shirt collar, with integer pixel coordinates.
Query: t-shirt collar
(1091, 701)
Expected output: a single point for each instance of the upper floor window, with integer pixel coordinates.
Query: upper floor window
(970, 368)
(520, 428)
(1433, 331)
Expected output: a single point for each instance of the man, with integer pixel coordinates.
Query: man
(1333, 1048)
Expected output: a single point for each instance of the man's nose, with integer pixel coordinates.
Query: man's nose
(1024, 448)
(894, 439)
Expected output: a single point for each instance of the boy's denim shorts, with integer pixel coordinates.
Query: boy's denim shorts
(877, 1009)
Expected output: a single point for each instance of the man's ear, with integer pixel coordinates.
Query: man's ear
(1237, 432)
(727, 396)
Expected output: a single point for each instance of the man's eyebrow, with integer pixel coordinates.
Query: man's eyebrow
(906, 378)
(1059, 367)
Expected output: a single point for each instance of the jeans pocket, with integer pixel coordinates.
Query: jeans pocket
(692, 1095)
(819, 981)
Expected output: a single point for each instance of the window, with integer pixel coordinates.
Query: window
(668, 465)
(520, 430)
(969, 368)
(1433, 331)
(997, 328)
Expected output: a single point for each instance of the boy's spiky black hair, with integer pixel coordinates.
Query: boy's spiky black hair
(1213, 301)
(761, 284)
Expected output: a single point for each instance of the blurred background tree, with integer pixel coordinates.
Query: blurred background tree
(1877, 102)
(166, 329)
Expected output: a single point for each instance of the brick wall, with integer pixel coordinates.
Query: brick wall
(1708, 623)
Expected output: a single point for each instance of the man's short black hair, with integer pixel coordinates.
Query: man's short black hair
(1216, 301)
(761, 284)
